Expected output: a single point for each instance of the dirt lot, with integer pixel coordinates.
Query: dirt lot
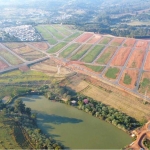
(94, 39)
(136, 58)
(132, 75)
(129, 42)
(147, 63)
(3, 65)
(121, 56)
(120, 100)
(14, 45)
(83, 38)
(141, 44)
(117, 41)
(24, 49)
(40, 45)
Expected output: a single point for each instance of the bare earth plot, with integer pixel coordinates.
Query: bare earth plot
(3, 65)
(40, 45)
(129, 42)
(136, 58)
(129, 78)
(84, 37)
(121, 56)
(141, 44)
(94, 39)
(147, 63)
(84, 48)
(14, 45)
(106, 55)
(90, 57)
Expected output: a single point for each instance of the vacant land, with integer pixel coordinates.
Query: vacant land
(40, 45)
(129, 78)
(14, 45)
(117, 41)
(136, 58)
(90, 57)
(141, 44)
(3, 65)
(147, 62)
(69, 50)
(121, 56)
(82, 50)
(84, 37)
(73, 36)
(94, 39)
(112, 72)
(106, 55)
(57, 47)
(129, 42)
(95, 68)
(105, 40)
(13, 60)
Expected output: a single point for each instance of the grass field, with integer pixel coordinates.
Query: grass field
(10, 57)
(83, 49)
(69, 50)
(112, 72)
(73, 36)
(90, 57)
(57, 47)
(105, 40)
(127, 79)
(54, 32)
(107, 54)
(95, 68)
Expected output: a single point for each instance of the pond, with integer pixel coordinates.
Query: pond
(74, 128)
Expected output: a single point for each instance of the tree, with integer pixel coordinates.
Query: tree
(19, 106)
(28, 111)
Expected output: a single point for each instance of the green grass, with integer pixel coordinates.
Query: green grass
(81, 52)
(105, 57)
(95, 68)
(112, 73)
(54, 32)
(51, 41)
(145, 82)
(105, 40)
(90, 57)
(73, 36)
(57, 47)
(69, 50)
(10, 57)
(127, 79)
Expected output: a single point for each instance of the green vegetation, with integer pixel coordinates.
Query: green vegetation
(69, 50)
(73, 36)
(57, 47)
(147, 143)
(90, 57)
(95, 68)
(10, 57)
(145, 82)
(112, 72)
(127, 79)
(81, 52)
(54, 32)
(105, 40)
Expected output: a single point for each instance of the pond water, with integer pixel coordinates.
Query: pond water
(74, 128)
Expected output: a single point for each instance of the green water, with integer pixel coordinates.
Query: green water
(73, 128)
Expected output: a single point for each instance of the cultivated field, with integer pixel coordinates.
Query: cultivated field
(73, 36)
(117, 41)
(105, 40)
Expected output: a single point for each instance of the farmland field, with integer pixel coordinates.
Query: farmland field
(57, 47)
(73, 36)
(81, 52)
(69, 50)
(94, 39)
(95, 68)
(90, 57)
(112, 72)
(105, 40)
(10, 57)
(106, 55)
(121, 56)
(129, 78)
(40, 45)
(136, 58)
(117, 41)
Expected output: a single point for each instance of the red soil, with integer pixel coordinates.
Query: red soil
(147, 63)
(136, 58)
(94, 39)
(24, 68)
(121, 56)
(129, 42)
(3, 65)
(40, 45)
(117, 41)
(142, 44)
(83, 38)
(133, 75)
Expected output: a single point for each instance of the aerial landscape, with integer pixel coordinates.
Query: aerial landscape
(75, 74)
